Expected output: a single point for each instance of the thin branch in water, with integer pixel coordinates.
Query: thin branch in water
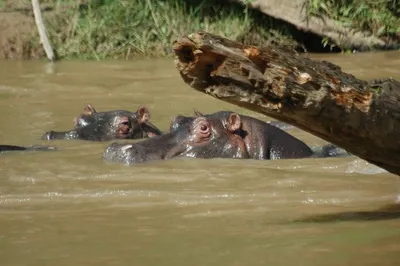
(42, 30)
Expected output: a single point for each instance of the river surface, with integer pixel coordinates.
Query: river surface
(69, 207)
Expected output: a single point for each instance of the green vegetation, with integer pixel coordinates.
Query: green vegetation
(111, 29)
(103, 29)
(380, 17)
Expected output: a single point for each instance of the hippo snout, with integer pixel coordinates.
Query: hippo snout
(117, 152)
(48, 135)
(132, 153)
(112, 150)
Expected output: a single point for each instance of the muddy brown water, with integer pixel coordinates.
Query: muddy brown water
(69, 207)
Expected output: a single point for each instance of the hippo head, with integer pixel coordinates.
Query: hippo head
(119, 124)
(202, 137)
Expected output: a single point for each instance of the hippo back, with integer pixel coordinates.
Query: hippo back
(265, 141)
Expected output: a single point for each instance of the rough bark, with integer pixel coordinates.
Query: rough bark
(360, 116)
(295, 12)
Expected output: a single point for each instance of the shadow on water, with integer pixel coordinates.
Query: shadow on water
(388, 212)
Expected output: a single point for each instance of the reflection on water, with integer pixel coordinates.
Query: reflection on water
(69, 207)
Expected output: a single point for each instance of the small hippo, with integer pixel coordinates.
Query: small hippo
(103, 126)
(218, 135)
(4, 148)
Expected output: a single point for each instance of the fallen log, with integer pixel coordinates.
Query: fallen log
(360, 116)
(295, 12)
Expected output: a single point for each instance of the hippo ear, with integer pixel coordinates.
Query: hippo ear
(234, 122)
(89, 110)
(142, 114)
(197, 113)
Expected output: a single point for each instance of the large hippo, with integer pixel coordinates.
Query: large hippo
(218, 135)
(258, 132)
(103, 126)
(4, 148)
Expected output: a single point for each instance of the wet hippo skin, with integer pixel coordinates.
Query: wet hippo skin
(218, 135)
(103, 126)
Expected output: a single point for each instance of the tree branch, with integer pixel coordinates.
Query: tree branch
(360, 116)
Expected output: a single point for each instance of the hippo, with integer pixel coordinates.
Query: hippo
(4, 148)
(110, 125)
(219, 135)
(252, 125)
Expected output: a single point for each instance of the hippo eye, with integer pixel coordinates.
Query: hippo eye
(202, 130)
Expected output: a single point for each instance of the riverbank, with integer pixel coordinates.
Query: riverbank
(106, 29)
